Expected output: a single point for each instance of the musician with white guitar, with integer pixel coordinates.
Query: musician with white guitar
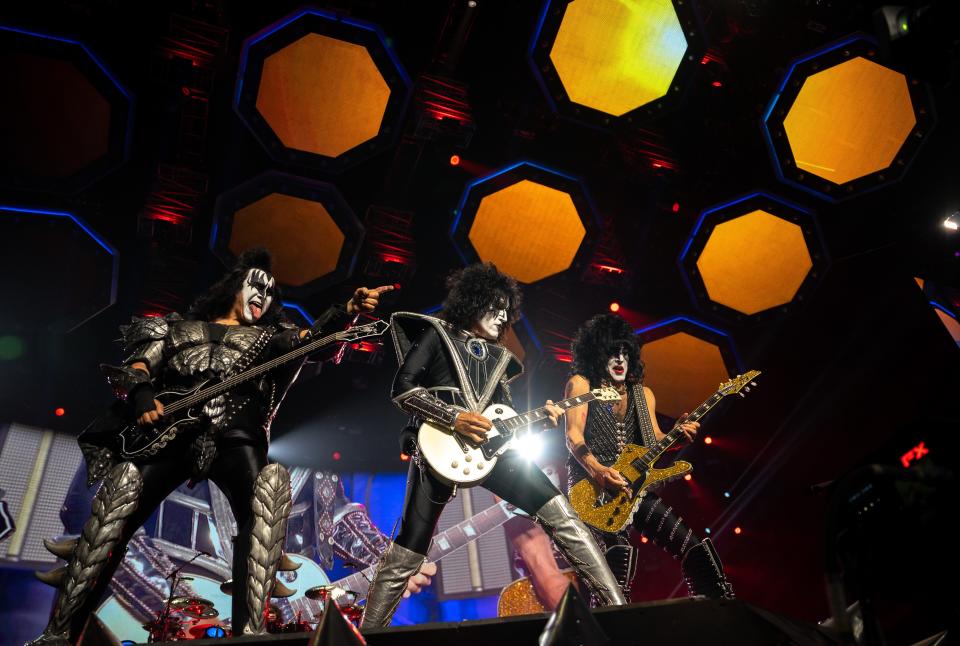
(453, 378)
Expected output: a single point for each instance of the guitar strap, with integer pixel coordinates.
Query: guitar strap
(643, 415)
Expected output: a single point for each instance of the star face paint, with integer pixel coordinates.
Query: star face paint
(492, 324)
(618, 365)
(256, 295)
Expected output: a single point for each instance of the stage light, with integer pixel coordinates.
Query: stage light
(688, 477)
(676, 207)
(608, 58)
(644, 539)
(59, 412)
(614, 307)
(726, 494)
(717, 84)
(841, 123)
(214, 632)
(336, 455)
(952, 221)
(530, 446)
(737, 530)
(706, 530)
(532, 222)
(404, 457)
(684, 361)
(321, 89)
(753, 256)
(454, 160)
(309, 227)
(708, 440)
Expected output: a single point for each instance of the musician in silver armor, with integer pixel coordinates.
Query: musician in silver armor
(607, 353)
(451, 369)
(239, 322)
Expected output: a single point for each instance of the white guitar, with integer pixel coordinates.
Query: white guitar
(456, 459)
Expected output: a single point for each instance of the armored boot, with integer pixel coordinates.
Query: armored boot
(271, 507)
(116, 500)
(397, 565)
(703, 572)
(573, 538)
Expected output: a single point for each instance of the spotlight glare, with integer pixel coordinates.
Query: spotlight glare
(688, 477)
(59, 412)
(644, 539)
(726, 494)
(952, 221)
(707, 530)
(614, 306)
(454, 160)
(737, 530)
(404, 457)
(336, 455)
(676, 207)
(530, 445)
(708, 440)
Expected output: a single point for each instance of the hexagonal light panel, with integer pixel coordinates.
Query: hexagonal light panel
(69, 119)
(321, 90)
(684, 362)
(80, 284)
(532, 222)
(753, 256)
(307, 225)
(843, 124)
(615, 60)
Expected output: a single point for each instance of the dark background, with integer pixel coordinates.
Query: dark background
(862, 372)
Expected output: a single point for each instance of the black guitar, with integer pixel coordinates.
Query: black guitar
(182, 409)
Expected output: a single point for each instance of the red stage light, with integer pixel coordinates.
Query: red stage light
(644, 539)
(59, 412)
(614, 306)
(688, 477)
(717, 84)
(708, 440)
(454, 160)
(737, 530)
(404, 457)
(336, 455)
(676, 207)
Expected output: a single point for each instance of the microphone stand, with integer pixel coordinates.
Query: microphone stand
(175, 581)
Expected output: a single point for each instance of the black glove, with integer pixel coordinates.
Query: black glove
(141, 399)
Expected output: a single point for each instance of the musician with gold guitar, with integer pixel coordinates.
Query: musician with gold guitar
(606, 352)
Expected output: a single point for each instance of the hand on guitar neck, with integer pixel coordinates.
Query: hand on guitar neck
(474, 426)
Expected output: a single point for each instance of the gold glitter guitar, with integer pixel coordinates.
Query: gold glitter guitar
(612, 511)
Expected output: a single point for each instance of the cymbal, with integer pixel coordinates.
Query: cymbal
(341, 596)
(227, 587)
(194, 607)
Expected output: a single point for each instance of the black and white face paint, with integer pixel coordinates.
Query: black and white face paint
(494, 321)
(256, 295)
(617, 365)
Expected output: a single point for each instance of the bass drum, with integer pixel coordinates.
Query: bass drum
(125, 625)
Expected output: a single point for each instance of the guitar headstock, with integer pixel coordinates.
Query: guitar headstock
(365, 331)
(606, 394)
(738, 383)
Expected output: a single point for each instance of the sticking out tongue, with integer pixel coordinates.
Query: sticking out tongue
(255, 311)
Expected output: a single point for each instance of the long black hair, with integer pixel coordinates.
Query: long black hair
(474, 290)
(219, 299)
(596, 341)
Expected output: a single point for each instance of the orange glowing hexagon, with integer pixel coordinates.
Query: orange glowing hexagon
(617, 55)
(529, 230)
(849, 120)
(305, 241)
(322, 95)
(682, 370)
(754, 262)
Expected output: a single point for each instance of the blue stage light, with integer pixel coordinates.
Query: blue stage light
(215, 632)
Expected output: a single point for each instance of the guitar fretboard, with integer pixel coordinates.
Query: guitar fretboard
(538, 414)
(675, 434)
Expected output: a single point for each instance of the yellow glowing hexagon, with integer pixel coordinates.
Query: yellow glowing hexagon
(617, 55)
(682, 370)
(322, 95)
(849, 120)
(530, 231)
(754, 262)
(304, 239)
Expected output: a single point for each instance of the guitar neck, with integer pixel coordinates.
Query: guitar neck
(230, 382)
(538, 414)
(676, 433)
(443, 544)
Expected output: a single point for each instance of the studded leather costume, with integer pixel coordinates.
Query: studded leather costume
(229, 447)
(606, 436)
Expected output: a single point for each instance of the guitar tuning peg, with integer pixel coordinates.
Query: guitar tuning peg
(747, 388)
(741, 394)
(753, 383)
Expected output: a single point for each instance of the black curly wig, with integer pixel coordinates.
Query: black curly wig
(596, 341)
(474, 290)
(219, 299)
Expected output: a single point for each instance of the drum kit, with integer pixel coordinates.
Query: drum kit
(184, 618)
